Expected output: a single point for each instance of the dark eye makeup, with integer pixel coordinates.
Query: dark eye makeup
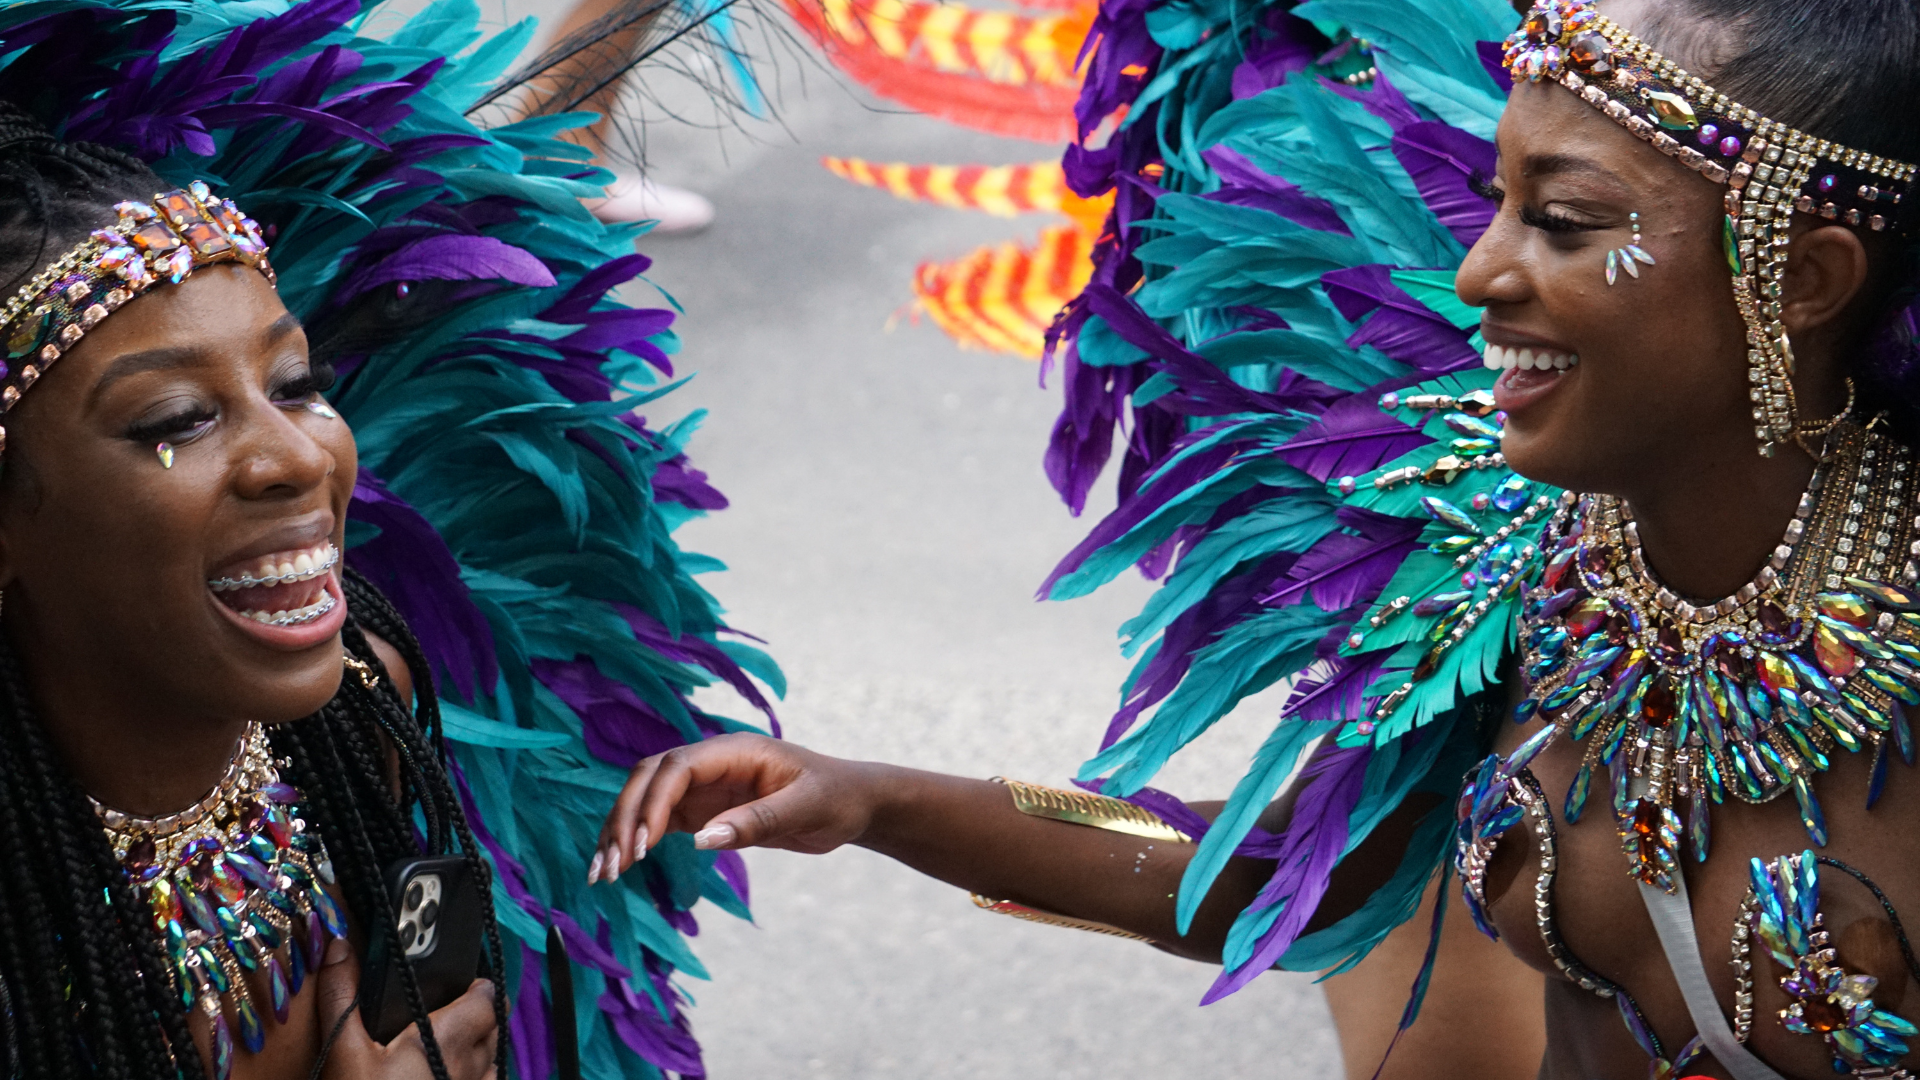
(1546, 221)
(181, 422)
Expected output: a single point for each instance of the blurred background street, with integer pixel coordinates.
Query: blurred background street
(890, 523)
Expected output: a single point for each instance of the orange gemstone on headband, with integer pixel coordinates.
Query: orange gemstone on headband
(154, 236)
(179, 207)
(1590, 53)
(1543, 26)
(207, 241)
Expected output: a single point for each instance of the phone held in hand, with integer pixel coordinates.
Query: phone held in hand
(438, 919)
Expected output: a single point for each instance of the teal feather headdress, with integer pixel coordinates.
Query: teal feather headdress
(511, 501)
(1312, 461)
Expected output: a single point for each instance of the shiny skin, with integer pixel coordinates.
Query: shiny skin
(144, 682)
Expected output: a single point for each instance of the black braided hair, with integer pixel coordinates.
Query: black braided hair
(84, 990)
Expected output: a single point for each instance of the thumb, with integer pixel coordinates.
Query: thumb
(339, 985)
(765, 821)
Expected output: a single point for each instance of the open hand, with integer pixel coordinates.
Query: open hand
(735, 791)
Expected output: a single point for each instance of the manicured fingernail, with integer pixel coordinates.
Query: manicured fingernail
(614, 866)
(593, 868)
(640, 844)
(713, 836)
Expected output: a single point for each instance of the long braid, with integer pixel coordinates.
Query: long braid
(84, 985)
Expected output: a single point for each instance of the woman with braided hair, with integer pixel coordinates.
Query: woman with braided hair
(172, 503)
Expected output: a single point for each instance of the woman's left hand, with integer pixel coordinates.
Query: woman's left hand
(465, 1031)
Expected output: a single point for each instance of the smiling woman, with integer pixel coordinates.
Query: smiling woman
(254, 822)
(173, 501)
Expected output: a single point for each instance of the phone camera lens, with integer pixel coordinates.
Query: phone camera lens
(409, 933)
(414, 892)
(429, 913)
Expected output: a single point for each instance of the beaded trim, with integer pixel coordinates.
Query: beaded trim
(1771, 171)
(159, 241)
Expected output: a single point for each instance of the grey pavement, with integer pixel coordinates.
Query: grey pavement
(890, 522)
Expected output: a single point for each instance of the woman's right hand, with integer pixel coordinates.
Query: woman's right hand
(465, 1030)
(735, 791)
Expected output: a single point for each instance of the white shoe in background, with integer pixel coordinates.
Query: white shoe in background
(635, 198)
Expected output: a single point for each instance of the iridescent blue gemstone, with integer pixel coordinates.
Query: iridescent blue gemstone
(1512, 494)
(283, 794)
(261, 848)
(330, 914)
(252, 1032)
(199, 910)
(296, 963)
(210, 966)
(199, 845)
(222, 1048)
(279, 993)
(268, 937)
(253, 870)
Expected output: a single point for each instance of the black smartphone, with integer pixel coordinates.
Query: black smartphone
(437, 917)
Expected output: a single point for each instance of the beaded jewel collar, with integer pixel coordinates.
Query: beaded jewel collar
(236, 886)
(162, 240)
(1770, 169)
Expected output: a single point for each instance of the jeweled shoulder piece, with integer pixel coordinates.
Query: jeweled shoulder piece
(162, 240)
(1770, 169)
(235, 884)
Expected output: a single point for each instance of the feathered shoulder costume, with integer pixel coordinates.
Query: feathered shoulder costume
(1311, 451)
(511, 501)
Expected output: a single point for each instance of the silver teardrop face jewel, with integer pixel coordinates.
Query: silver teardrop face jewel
(321, 408)
(164, 452)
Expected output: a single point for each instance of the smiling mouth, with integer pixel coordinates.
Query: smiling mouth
(286, 588)
(1500, 358)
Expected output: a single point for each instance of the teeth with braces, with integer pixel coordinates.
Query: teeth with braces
(295, 617)
(303, 567)
(1498, 358)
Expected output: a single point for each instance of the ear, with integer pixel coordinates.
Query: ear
(1826, 269)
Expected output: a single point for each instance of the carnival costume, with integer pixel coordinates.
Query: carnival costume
(510, 502)
(1312, 463)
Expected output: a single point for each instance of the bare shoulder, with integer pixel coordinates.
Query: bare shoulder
(395, 664)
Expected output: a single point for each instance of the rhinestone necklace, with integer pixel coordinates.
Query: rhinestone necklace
(1689, 704)
(234, 885)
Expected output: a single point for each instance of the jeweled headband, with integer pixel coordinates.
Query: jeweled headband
(1771, 170)
(162, 240)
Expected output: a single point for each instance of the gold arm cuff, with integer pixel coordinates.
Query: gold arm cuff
(1048, 918)
(1085, 808)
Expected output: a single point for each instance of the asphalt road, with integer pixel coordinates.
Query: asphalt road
(890, 522)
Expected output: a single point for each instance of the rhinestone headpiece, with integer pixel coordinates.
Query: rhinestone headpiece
(162, 240)
(1770, 170)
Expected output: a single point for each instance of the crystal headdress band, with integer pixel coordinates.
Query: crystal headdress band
(162, 240)
(1771, 170)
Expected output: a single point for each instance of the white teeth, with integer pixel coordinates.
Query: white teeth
(1500, 358)
(276, 570)
(296, 616)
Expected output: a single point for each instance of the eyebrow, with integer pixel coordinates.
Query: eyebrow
(1538, 165)
(163, 359)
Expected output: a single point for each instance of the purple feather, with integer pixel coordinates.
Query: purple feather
(410, 563)
(618, 727)
(1444, 163)
(453, 257)
(1353, 436)
(1335, 691)
(1400, 327)
(1314, 839)
(698, 652)
(1493, 58)
(529, 1023)
(1246, 184)
(665, 1041)
(732, 869)
(1346, 568)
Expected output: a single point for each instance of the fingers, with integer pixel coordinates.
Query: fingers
(650, 803)
(467, 1032)
(762, 821)
(339, 981)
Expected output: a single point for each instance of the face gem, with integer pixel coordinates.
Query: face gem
(1730, 146)
(1590, 53)
(1671, 110)
(154, 236)
(207, 240)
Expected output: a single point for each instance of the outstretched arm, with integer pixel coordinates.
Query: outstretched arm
(743, 791)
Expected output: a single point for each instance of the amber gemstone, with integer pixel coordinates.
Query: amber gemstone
(1822, 1014)
(1835, 658)
(1590, 53)
(1427, 666)
(1444, 471)
(1543, 26)
(206, 240)
(1658, 706)
(154, 236)
(1646, 818)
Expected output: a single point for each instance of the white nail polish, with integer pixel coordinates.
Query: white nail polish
(713, 836)
(593, 868)
(640, 844)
